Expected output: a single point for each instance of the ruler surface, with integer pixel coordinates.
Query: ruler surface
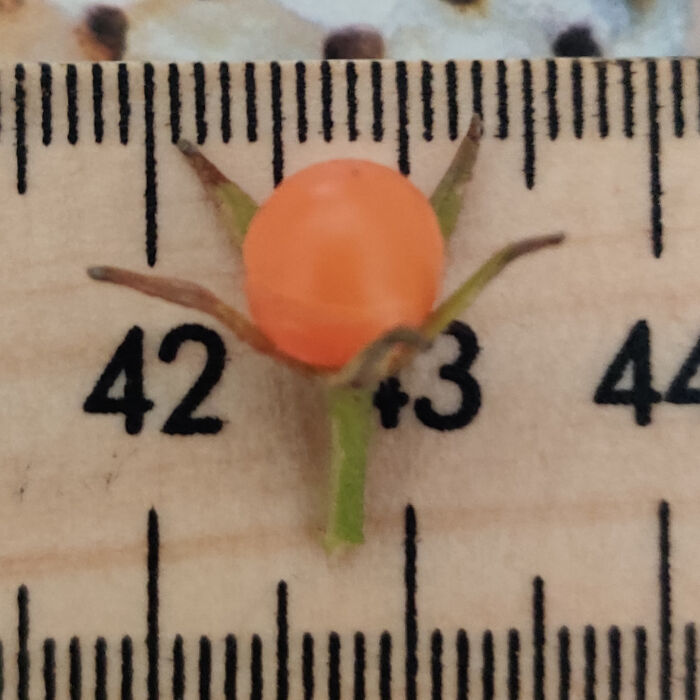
(532, 537)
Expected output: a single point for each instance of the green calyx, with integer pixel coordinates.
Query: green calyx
(350, 390)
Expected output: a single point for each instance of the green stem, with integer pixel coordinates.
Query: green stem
(351, 419)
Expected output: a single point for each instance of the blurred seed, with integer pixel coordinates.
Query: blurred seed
(354, 43)
(575, 42)
(102, 34)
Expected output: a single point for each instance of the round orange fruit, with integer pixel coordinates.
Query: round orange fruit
(340, 253)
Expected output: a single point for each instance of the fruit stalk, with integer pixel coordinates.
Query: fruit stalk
(351, 416)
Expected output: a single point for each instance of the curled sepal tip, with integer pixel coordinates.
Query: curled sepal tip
(235, 206)
(464, 296)
(373, 363)
(448, 197)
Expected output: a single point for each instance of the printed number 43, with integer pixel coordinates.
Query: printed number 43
(389, 399)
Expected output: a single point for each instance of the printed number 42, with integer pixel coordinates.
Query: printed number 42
(128, 360)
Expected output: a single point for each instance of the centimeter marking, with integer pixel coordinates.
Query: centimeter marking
(595, 648)
(208, 114)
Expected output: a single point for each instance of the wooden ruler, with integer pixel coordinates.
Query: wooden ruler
(536, 537)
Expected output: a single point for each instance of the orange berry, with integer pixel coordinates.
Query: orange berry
(340, 253)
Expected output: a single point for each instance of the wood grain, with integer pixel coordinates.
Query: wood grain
(544, 482)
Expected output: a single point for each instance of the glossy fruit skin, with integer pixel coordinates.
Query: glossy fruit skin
(340, 253)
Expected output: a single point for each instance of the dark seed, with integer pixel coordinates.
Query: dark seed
(354, 42)
(106, 26)
(575, 42)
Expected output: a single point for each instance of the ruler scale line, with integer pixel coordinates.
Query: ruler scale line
(23, 643)
(178, 681)
(153, 604)
(302, 121)
(462, 644)
(426, 95)
(410, 609)
(307, 666)
(513, 680)
(277, 144)
(256, 668)
(46, 81)
(627, 98)
(538, 638)
(333, 666)
(697, 89)
(564, 657)
(452, 87)
(2, 670)
(359, 665)
(127, 669)
(488, 666)
(654, 160)
(385, 666)
(251, 103)
(49, 669)
(477, 89)
(98, 122)
(282, 642)
(502, 92)
(200, 102)
(20, 129)
(204, 668)
(665, 628)
(691, 667)
(602, 98)
(552, 107)
(225, 103)
(351, 99)
(124, 103)
(615, 662)
(75, 670)
(590, 654)
(175, 101)
(403, 137)
(435, 665)
(528, 125)
(640, 663)
(377, 102)
(327, 101)
(100, 669)
(151, 192)
(577, 97)
(677, 96)
(230, 667)
(72, 107)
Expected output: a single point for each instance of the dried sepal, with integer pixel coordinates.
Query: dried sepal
(235, 206)
(194, 296)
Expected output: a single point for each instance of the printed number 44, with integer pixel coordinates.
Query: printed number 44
(636, 352)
